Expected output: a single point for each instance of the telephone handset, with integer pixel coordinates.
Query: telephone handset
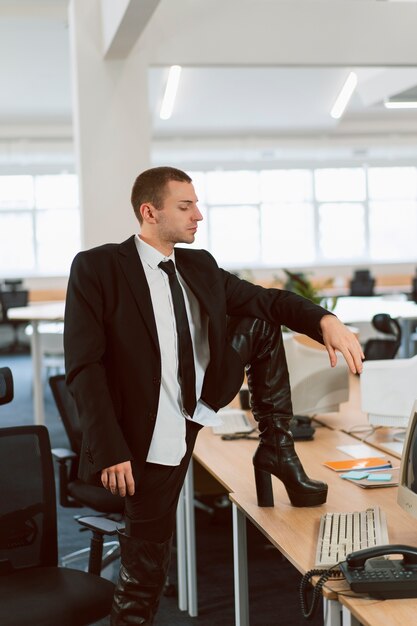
(367, 572)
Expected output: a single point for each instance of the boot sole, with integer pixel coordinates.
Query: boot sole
(265, 494)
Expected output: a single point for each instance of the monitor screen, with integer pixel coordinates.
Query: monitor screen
(315, 386)
(407, 489)
(388, 391)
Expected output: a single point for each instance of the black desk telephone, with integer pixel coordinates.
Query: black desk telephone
(367, 572)
(301, 428)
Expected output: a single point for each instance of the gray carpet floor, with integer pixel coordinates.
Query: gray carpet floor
(273, 582)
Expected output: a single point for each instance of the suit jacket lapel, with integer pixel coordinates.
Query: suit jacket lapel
(197, 285)
(132, 269)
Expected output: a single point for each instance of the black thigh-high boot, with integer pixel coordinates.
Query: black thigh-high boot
(143, 571)
(261, 349)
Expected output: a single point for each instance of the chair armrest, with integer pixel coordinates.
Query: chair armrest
(63, 454)
(102, 525)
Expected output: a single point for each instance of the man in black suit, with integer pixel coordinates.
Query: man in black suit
(124, 367)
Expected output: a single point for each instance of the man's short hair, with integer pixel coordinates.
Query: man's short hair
(150, 186)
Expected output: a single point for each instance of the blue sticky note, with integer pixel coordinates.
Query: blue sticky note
(354, 475)
(379, 477)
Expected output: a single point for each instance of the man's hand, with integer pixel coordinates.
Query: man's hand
(336, 336)
(119, 479)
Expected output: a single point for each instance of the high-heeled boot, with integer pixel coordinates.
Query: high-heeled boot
(261, 349)
(143, 571)
(276, 455)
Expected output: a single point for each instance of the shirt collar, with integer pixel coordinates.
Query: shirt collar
(150, 255)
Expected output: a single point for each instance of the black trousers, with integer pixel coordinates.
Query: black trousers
(150, 512)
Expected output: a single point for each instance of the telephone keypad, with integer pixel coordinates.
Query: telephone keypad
(383, 579)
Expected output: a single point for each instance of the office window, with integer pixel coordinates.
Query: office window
(39, 224)
(342, 231)
(287, 234)
(286, 185)
(305, 216)
(340, 184)
(393, 229)
(241, 187)
(16, 192)
(392, 183)
(392, 213)
(234, 235)
(17, 249)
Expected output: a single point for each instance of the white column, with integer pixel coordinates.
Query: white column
(112, 128)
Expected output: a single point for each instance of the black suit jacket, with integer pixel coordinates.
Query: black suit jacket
(111, 347)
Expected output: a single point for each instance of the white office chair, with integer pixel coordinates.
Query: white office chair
(315, 386)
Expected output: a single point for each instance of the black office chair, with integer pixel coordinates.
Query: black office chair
(73, 492)
(8, 299)
(33, 589)
(383, 348)
(362, 283)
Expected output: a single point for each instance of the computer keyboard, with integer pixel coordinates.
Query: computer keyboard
(234, 421)
(343, 533)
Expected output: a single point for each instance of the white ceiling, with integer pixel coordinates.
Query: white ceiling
(213, 102)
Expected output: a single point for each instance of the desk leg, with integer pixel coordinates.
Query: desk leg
(240, 561)
(190, 539)
(38, 405)
(405, 348)
(332, 610)
(348, 619)
(181, 553)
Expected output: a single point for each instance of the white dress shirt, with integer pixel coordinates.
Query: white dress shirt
(168, 442)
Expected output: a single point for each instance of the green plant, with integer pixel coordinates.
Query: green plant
(299, 283)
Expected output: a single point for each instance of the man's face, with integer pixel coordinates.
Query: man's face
(178, 217)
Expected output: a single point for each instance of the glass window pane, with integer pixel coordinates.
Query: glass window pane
(16, 243)
(234, 235)
(340, 184)
(199, 182)
(342, 230)
(286, 185)
(239, 187)
(58, 239)
(16, 192)
(386, 183)
(56, 192)
(393, 228)
(287, 234)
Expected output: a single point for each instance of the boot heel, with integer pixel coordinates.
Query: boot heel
(264, 491)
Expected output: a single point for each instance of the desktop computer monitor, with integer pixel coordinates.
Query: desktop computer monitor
(315, 386)
(388, 390)
(407, 487)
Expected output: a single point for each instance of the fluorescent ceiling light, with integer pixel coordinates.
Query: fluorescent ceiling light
(400, 104)
(344, 96)
(170, 92)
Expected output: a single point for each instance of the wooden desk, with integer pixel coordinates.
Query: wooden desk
(230, 462)
(35, 313)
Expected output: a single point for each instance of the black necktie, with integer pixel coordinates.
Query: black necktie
(186, 370)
